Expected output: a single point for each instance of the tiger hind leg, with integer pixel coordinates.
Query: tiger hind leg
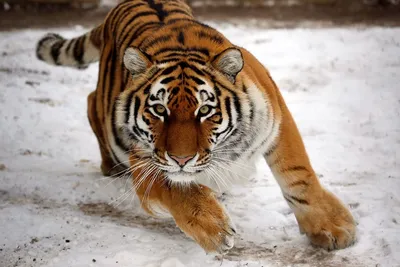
(325, 220)
(108, 167)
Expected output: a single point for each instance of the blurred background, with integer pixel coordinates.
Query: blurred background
(271, 13)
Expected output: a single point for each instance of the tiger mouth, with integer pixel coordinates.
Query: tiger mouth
(182, 170)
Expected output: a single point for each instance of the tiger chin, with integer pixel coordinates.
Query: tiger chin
(187, 113)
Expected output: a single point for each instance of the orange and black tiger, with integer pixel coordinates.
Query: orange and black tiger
(187, 113)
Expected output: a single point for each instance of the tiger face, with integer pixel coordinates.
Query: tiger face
(176, 113)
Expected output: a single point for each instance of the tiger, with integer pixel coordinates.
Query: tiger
(187, 114)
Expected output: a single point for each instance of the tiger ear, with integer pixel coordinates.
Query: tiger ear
(229, 62)
(136, 61)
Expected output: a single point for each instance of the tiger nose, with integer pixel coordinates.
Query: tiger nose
(181, 160)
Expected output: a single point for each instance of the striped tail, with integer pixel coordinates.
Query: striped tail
(77, 52)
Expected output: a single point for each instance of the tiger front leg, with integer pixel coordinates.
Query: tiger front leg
(108, 167)
(320, 214)
(194, 208)
(200, 216)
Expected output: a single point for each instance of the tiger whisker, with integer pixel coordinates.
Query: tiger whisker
(144, 176)
(127, 193)
(212, 175)
(224, 166)
(220, 175)
(236, 163)
(129, 169)
(148, 189)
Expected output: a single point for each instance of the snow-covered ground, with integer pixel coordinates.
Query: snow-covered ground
(343, 88)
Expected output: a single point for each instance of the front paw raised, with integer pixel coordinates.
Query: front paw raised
(208, 224)
(328, 223)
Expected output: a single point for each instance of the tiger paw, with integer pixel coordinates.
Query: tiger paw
(328, 223)
(210, 226)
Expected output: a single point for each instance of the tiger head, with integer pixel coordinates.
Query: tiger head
(181, 113)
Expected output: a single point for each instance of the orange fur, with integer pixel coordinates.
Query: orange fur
(167, 29)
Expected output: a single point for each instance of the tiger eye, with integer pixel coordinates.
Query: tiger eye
(204, 110)
(160, 109)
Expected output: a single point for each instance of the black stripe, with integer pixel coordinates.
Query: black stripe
(244, 88)
(211, 75)
(105, 77)
(138, 32)
(68, 48)
(132, 19)
(200, 50)
(79, 49)
(52, 36)
(127, 30)
(171, 3)
(111, 82)
(168, 80)
(145, 83)
(181, 38)
(169, 49)
(228, 111)
(298, 200)
(55, 51)
(201, 62)
(117, 140)
(271, 150)
(136, 110)
(127, 107)
(120, 13)
(181, 27)
(193, 54)
(172, 21)
(173, 60)
(223, 87)
(121, 8)
(294, 168)
(139, 27)
(174, 91)
(141, 14)
(288, 200)
(297, 183)
(169, 70)
(236, 102)
(197, 71)
(115, 159)
(158, 40)
(183, 65)
(187, 90)
(182, 54)
(196, 80)
(161, 13)
(175, 101)
(147, 121)
(147, 89)
(217, 90)
(178, 11)
(135, 128)
(193, 88)
(46, 38)
(102, 79)
(215, 38)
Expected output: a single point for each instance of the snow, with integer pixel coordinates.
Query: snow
(343, 88)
